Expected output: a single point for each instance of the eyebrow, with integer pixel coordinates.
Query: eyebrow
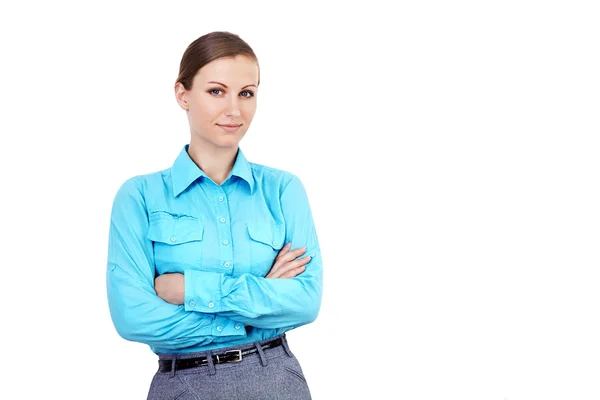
(225, 86)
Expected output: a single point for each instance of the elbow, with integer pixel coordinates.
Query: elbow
(127, 312)
(313, 312)
(127, 323)
(126, 327)
(126, 333)
(311, 303)
(310, 310)
(305, 315)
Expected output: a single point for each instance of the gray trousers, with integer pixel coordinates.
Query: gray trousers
(268, 374)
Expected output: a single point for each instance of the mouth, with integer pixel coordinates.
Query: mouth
(229, 127)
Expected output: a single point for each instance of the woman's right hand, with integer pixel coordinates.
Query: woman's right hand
(287, 264)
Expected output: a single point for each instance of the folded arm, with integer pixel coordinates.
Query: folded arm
(264, 302)
(137, 312)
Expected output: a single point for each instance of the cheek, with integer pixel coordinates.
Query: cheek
(205, 112)
(249, 110)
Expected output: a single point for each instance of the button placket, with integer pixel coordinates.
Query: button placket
(223, 219)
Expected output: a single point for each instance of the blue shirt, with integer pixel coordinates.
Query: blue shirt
(224, 239)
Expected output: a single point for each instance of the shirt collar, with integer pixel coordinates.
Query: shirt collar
(242, 169)
(184, 171)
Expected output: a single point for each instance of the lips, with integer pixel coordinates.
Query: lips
(229, 128)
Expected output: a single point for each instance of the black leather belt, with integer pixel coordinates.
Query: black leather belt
(230, 356)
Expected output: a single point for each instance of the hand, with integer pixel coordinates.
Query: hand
(170, 288)
(287, 264)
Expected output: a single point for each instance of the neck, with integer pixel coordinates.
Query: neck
(215, 162)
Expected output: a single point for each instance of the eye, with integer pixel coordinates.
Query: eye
(214, 91)
(247, 93)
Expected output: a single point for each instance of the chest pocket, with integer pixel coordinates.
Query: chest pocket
(266, 239)
(177, 241)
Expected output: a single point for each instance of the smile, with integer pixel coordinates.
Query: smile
(230, 128)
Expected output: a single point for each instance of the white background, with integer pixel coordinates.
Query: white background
(449, 149)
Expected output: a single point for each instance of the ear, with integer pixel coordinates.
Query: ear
(180, 96)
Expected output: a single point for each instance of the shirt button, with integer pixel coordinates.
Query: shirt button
(274, 243)
(227, 264)
(173, 239)
(223, 220)
(312, 255)
(220, 198)
(211, 304)
(237, 326)
(225, 242)
(192, 303)
(219, 328)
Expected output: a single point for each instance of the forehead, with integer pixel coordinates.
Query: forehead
(231, 71)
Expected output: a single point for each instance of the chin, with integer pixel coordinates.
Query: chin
(228, 143)
(229, 140)
(218, 141)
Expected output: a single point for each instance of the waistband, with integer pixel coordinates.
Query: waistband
(225, 355)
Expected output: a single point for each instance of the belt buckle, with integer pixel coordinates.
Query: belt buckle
(239, 354)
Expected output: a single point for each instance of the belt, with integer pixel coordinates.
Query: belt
(231, 356)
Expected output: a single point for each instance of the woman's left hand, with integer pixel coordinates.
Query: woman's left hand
(170, 288)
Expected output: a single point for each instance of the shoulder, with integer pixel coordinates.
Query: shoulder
(141, 185)
(267, 175)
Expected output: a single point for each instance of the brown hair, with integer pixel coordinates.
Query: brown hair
(208, 48)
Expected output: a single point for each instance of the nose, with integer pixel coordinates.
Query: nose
(233, 110)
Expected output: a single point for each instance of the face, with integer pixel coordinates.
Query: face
(222, 101)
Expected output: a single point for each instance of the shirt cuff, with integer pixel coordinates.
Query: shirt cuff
(226, 327)
(202, 291)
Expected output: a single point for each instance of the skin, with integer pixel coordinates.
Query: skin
(223, 93)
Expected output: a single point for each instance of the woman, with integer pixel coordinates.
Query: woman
(211, 261)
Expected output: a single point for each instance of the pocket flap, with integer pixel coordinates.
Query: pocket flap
(171, 229)
(269, 233)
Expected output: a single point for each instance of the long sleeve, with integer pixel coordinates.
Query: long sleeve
(266, 302)
(137, 312)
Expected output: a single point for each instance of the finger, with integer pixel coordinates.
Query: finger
(284, 250)
(285, 263)
(293, 254)
(295, 263)
(294, 272)
(287, 257)
(290, 266)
